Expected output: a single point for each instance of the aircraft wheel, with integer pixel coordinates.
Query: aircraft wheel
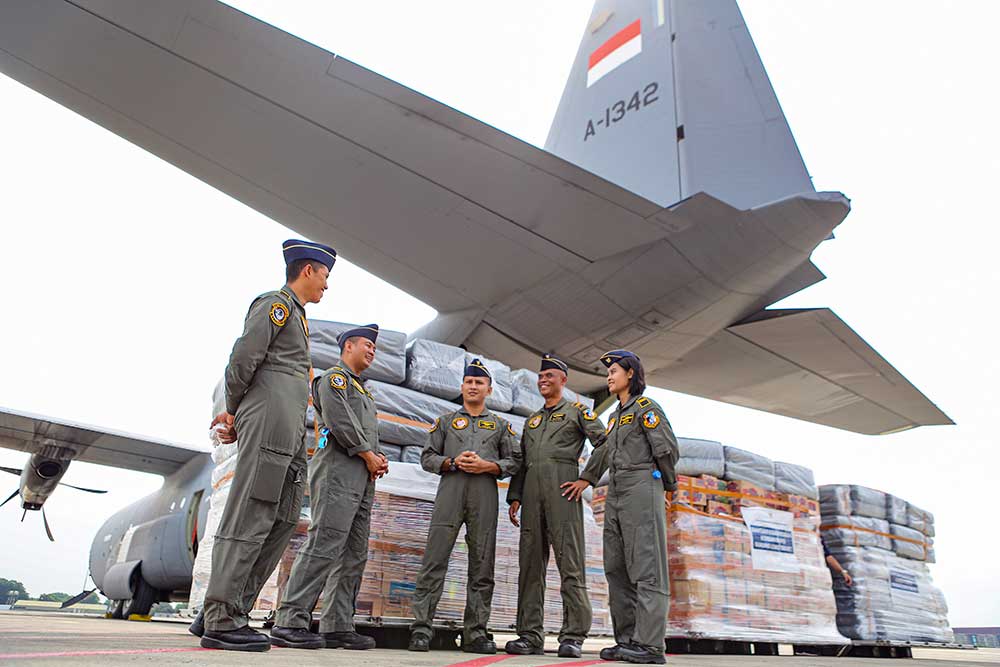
(117, 614)
(143, 598)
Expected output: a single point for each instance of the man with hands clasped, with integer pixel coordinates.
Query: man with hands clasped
(470, 448)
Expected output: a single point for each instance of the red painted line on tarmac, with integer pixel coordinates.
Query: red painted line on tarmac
(482, 662)
(80, 654)
(578, 663)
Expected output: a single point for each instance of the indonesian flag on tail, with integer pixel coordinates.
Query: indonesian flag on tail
(621, 47)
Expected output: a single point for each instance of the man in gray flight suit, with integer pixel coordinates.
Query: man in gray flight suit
(267, 392)
(342, 478)
(551, 445)
(470, 448)
(640, 452)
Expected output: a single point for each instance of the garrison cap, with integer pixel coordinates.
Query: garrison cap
(369, 331)
(551, 361)
(477, 369)
(613, 356)
(295, 249)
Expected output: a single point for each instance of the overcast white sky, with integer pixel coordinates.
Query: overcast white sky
(126, 280)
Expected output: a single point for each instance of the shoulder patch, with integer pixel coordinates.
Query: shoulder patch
(486, 424)
(279, 313)
(651, 419)
(535, 421)
(626, 419)
(611, 424)
(459, 423)
(437, 422)
(338, 381)
(588, 414)
(642, 401)
(510, 429)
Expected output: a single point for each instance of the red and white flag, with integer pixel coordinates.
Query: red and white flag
(621, 47)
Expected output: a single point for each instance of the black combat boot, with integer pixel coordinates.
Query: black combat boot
(483, 645)
(522, 646)
(349, 640)
(241, 639)
(613, 652)
(296, 638)
(641, 655)
(197, 627)
(570, 649)
(421, 643)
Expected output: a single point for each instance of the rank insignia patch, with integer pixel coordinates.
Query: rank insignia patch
(611, 424)
(626, 419)
(459, 423)
(535, 421)
(486, 425)
(642, 401)
(338, 381)
(279, 314)
(651, 419)
(589, 414)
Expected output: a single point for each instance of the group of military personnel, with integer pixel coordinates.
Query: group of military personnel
(269, 384)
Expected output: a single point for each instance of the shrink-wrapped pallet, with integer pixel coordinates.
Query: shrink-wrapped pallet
(855, 531)
(907, 542)
(742, 465)
(501, 399)
(891, 598)
(795, 479)
(435, 368)
(919, 519)
(700, 457)
(867, 502)
(390, 359)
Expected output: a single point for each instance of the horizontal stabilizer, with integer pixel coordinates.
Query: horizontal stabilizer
(35, 434)
(807, 364)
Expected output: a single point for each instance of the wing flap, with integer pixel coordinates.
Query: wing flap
(32, 434)
(806, 364)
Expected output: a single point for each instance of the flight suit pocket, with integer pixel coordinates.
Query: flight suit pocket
(293, 494)
(269, 478)
(342, 506)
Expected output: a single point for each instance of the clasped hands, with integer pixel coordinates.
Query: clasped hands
(472, 463)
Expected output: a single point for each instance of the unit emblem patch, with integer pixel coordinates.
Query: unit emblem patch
(589, 414)
(437, 422)
(279, 314)
(459, 423)
(510, 429)
(338, 381)
(535, 421)
(651, 419)
(611, 424)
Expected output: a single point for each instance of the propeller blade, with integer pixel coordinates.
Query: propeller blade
(12, 471)
(48, 531)
(80, 488)
(76, 598)
(10, 497)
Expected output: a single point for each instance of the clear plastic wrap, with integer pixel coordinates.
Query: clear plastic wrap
(224, 457)
(895, 510)
(524, 385)
(855, 531)
(715, 592)
(919, 519)
(435, 368)
(390, 360)
(392, 452)
(908, 542)
(409, 404)
(891, 599)
(749, 467)
(411, 454)
(795, 479)
(700, 457)
(867, 502)
(835, 500)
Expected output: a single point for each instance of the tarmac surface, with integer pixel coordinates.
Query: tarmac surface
(67, 639)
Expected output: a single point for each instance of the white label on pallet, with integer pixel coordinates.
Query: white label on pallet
(772, 542)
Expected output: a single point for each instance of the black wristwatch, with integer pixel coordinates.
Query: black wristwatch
(451, 465)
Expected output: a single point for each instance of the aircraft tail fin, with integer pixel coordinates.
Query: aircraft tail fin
(669, 98)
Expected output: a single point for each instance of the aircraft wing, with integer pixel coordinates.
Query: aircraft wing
(807, 364)
(35, 434)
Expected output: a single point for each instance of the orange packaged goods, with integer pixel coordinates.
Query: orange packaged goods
(720, 590)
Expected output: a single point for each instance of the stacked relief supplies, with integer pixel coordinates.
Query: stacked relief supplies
(746, 562)
(224, 458)
(885, 543)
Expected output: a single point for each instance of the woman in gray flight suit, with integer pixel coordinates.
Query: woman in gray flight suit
(640, 452)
